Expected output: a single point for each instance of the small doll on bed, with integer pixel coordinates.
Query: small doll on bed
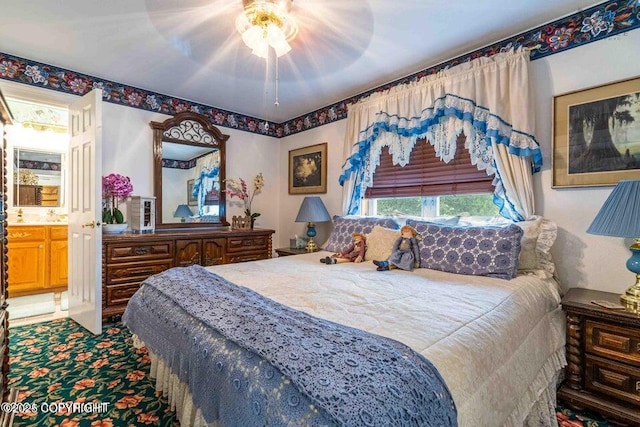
(354, 253)
(405, 255)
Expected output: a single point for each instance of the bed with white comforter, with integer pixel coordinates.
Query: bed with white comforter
(498, 344)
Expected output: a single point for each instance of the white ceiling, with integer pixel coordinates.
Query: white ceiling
(190, 48)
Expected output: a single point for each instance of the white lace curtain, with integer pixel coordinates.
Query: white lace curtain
(487, 99)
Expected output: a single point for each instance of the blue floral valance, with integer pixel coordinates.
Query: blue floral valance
(487, 99)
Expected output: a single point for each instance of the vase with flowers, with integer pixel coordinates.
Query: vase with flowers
(114, 188)
(238, 188)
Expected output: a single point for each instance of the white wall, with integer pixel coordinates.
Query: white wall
(583, 260)
(333, 135)
(127, 141)
(128, 150)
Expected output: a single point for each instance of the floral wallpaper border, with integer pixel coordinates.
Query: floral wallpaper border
(178, 164)
(607, 19)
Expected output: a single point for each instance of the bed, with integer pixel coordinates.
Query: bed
(497, 344)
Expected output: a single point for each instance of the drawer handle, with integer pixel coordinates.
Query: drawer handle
(247, 243)
(147, 271)
(141, 251)
(638, 347)
(637, 385)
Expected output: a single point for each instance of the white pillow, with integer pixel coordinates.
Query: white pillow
(528, 259)
(539, 235)
(380, 243)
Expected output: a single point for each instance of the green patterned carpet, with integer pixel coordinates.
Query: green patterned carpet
(59, 361)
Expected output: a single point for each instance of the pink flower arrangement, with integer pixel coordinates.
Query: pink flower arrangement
(239, 189)
(114, 187)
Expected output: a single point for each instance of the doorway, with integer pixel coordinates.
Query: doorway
(37, 146)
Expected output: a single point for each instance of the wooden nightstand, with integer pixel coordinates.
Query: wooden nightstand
(603, 356)
(290, 251)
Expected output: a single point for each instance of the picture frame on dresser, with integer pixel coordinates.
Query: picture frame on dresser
(308, 169)
(596, 135)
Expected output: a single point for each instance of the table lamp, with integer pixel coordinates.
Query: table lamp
(620, 217)
(311, 211)
(182, 212)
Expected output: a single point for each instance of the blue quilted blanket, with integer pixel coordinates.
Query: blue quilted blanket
(251, 361)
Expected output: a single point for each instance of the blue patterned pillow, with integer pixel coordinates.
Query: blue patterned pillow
(479, 251)
(344, 227)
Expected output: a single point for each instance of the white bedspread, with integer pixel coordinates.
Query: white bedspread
(496, 343)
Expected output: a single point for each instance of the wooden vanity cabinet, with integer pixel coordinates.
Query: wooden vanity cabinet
(27, 258)
(37, 259)
(58, 256)
(128, 259)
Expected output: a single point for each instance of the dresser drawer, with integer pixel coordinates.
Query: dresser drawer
(244, 257)
(120, 294)
(124, 273)
(129, 252)
(612, 341)
(25, 233)
(614, 379)
(245, 244)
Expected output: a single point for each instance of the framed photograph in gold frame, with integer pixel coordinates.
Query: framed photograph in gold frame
(308, 169)
(596, 135)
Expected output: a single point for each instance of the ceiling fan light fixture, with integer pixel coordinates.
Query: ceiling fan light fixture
(267, 22)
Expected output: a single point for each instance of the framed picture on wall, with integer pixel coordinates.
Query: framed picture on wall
(308, 169)
(191, 199)
(596, 135)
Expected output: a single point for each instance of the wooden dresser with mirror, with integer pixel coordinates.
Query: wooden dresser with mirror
(189, 170)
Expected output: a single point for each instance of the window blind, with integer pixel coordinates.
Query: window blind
(427, 175)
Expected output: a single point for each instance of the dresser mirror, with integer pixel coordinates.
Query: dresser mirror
(189, 172)
(38, 178)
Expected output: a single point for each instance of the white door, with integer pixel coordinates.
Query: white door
(85, 211)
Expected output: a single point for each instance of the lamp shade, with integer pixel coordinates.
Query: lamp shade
(313, 210)
(182, 211)
(619, 216)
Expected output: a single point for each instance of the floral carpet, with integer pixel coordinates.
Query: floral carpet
(57, 363)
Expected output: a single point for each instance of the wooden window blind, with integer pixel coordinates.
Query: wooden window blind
(427, 175)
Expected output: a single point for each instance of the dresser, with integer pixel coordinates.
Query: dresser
(603, 357)
(128, 259)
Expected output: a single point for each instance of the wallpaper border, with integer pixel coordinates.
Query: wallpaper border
(595, 23)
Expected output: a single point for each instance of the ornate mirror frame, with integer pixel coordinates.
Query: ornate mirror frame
(192, 129)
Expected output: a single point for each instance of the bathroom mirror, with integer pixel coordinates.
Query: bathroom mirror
(38, 178)
(189, 172)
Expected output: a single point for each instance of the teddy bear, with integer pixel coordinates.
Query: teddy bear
(405, 255)
(354, 253)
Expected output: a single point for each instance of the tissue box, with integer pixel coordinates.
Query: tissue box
(293, 243)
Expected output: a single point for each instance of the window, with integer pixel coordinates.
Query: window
(427, 186)
(426, 206)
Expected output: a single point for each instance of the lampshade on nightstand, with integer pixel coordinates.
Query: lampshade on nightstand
(311, 211)
(620, 217)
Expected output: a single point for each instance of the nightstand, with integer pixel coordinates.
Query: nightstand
(603, 357)
(290, 251)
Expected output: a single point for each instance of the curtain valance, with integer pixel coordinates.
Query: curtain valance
(487, 99)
